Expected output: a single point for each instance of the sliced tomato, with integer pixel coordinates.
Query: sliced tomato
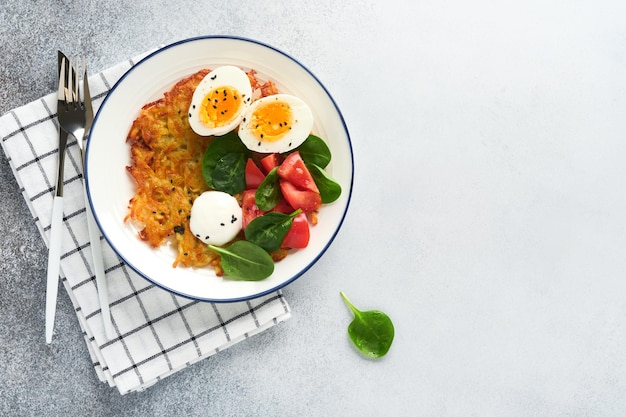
(249, 208)
(270, 161)
(306, 200)
(293, 170)
(283, 207)
(298, 236)
(254, 175)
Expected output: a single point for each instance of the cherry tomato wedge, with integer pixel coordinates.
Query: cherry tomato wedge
(293, 170)
(249, 207)
(254, 175)
(306, 200)
(298, 236)
(270, 161)
(283, 207)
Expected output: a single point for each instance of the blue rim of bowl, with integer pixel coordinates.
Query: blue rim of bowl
(283, 283)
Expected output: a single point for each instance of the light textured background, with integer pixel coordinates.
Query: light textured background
(487, 219)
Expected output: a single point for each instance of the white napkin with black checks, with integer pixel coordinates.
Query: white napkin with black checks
(157, 333)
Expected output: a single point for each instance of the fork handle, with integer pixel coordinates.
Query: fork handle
(98, 265)
(54, 261)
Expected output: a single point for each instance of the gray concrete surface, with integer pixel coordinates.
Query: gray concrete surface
(487, 217)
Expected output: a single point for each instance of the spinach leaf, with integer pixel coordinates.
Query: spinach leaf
(330, 190)
(371, 331)
(229, 174)
(268, 195)
(314, 151)
(269, 230)
(245, 261)
(218, 148)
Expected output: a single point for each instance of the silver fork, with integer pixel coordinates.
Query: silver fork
(94, 231)
(74, 118)
(68, 116)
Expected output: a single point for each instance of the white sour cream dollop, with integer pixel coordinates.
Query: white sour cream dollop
(215, 218)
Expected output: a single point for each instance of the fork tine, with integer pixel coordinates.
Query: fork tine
(72, 83)
(68, 82)
(74, 90)
(79, 68)
(76, 83)
(62, 81)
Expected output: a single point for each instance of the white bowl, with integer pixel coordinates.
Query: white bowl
(110, 187)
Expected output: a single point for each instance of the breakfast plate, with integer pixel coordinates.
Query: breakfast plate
(110, 187)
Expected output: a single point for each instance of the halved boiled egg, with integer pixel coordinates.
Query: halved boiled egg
(219, 101)
(276, 123)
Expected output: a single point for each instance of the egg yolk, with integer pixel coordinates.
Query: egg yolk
(220, 106)
(271, 121)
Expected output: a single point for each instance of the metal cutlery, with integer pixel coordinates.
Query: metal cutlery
(65, 96)
(94, 231)
(74, 118)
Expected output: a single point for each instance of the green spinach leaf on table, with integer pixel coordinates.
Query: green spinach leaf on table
(371, 331)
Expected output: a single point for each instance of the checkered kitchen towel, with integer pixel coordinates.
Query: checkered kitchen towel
(157, 333)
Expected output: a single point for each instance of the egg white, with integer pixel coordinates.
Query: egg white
(293, 121)
(215, 86)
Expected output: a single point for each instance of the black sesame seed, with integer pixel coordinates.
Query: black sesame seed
(222, 224)
(206, 238)
(214, 77)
